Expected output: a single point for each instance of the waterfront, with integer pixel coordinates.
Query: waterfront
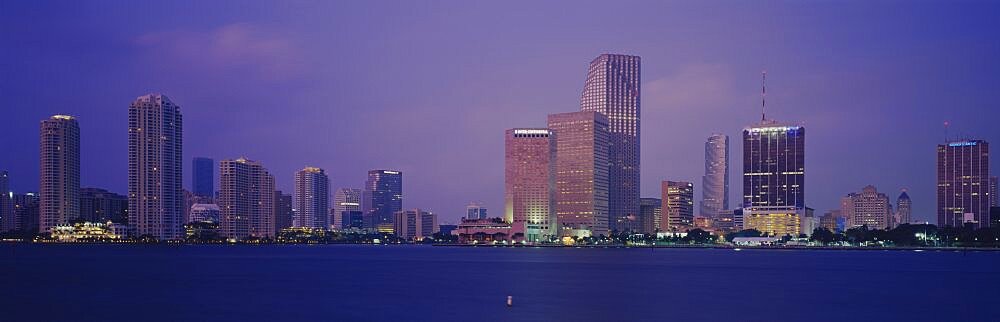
(424, 283)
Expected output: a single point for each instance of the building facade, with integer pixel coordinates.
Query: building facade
(650, 212)
(284, 213)
(581, 173)
(613, 89)
(678, 205)
(102, 206)
(415, 224)
(246, 200)
(868, 208)
(774, 177)
(155, 168)
(529, 183)
(904, 209)
(312, 201)
(994, 195)
(382, 198)
(205, 212)
(26, 212)
(59, 185)
(203, 177)
(475, 211)
(963, 172)
(7, 221)
(715, 182)
(345, 199)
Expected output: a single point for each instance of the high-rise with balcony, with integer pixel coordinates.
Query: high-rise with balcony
(344, 199)
(715, 182)
(381, 199)
(613, 89)
(312, 201)
(246, 199)
(678, 206)
(529, 182)
(203, 177)
(581, 173)
(774, 177)
(155, 168)
(59, 185)
(963, 174)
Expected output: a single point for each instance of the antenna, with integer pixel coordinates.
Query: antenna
(763, 94)
(946, 124)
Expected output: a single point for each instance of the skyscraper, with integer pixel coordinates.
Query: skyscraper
(994, 196)
(382, 198)
(581, 173)
(203, 177)
(283, 213)
(613, 89)
(904, 207)
(101, 206)
(868, 208)
(155, 168)
(345, 199)
(246, 198)
(475, 211)
(312, 201)
(415, 224)
(963, 172)
(26, 212)
(678, 205)
(60, 172)
(715, 182)
(650, 212)
(774, 177)
(7, 221)
(529, 183)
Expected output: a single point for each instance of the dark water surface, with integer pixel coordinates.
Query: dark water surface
(424, 283)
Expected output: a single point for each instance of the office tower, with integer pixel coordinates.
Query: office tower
(715, 182)
(312, 198)
(345, 199)
(963, 171)
(26, 212)
(203, 177)
(155, 167)
(581, 173)
(529, 183)
(205, 212)
(867, 208)
(60, 172)
(650, 211)
(283, 212)
(613, 89)
(7, 222)
(352, 219)
(475, 211)
(101, 206)
(904, 207)
(774, 177)
(678, 205)
(246, 198)
(381, 199)
(994, 196)
(415, 224)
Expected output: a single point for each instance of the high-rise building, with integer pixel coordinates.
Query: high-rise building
(475, 211)
(155, 168)
(650, 212)
(26, 212)
(60, 172)
(529, 183)
(101, 206)
(868, 208)
(963, 172)
(7, 221)
(205, 212)
(581, 173)
(345, 199)
(415, 224)
(904, 208)
(312, 201)
(613, 89)
(715, 182)
(203, 177)
(382, 198)
(283, 212)
(774, 177)
(246, 198)
(678, 205)
(994, 194)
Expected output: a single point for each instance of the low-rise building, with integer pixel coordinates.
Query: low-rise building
(88, 232)
(489, 230)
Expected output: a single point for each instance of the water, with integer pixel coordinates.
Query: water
(424, 283)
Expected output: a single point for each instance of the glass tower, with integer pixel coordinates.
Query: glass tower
(203, 176)
(963, 172)
(382, 198)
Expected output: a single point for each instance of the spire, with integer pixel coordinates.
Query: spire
(763, 94)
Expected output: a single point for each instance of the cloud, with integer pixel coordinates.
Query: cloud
(228, 48)
(698, 85)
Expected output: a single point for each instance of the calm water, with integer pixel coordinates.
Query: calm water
(424, 283)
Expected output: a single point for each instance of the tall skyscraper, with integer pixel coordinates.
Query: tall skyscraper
(312, 198)
(415, 224)
(60, 172)
(203, 177)
(678, 205)
(581, 173)
(246, 198)
(529, 183)
(7, 221)
(650, 212)
(774, 177)
(715, 182)
(382, 198)
(283, 212)
(963, 172)
(345, 199)
(868, 208)
(475, 211)
(613, 89)
(101, 206)
(904, 208)
(155, 168)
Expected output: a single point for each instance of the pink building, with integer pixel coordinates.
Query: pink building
(486, 230)
(581, 172)
(530, 183)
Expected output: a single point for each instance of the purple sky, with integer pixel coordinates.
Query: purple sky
(429, 87)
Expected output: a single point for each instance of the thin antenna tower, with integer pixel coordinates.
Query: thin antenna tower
(946, 124)
(763, 94)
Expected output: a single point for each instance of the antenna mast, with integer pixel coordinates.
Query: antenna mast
(763, 95)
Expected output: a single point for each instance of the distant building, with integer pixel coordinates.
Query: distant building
(7, 221)
(678, 205)
(202, 212)
(475, 211)
(345, 199)
(774, 177)
(581, 173)
(312, 198)
(381, 199)
(59, 187)
(415, 224)
(995, 216)
(904, 209)
(155, 167)
(715, 182)
(529, 183)
(486, 231)
(774, 223)
(26, 212)
(283, 211)
(650, 212)
(352, 220)
(834, 221)
(963, 171)
(994, 194)
(729, 220)
(446, 229)
(246, 198)
(868, 208)
(203, 176)
(99, 205)
(89, 232)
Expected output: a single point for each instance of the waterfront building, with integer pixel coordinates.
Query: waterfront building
(415, 224)
(59, 187)
(475, 211)
(773, 223)
(283, 211)
(581, 173)
(774, 177)
(99, 205)
(678, 205)
(904, 209)
(205, 212)
(650, 212)
(203, 177)
(246, 200)
(867, 208)
(155, 168)
(352, 220)
(486, 231)
(613, 88)
(834, 221)
(7, 222)
(529, 183)
(963, 171)
(994, 195)
(312, 201)
(345, 199)
(381, 199)
(26, 212)
(88, 232)
(715, 182)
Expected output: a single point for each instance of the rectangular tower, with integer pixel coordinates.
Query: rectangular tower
(59, 187)
(312, 201)
(282, 211)
(203, 177)
(155, 167)
(581, 173)
(650, 212)
(963, 172)
(7, 221)
(715, 182)
(774, 177)
(345, 199)
(246, 198)
(529, 182)
(678, 206)
(382, 198)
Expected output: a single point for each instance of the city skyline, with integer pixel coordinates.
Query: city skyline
(909, 140)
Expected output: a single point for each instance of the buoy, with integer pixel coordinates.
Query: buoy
(510, 301)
